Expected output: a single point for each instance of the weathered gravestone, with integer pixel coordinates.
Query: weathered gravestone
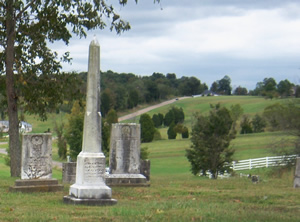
(90, 187)
(124, 159)
(69, 172)
(297, 174)
(36, 168)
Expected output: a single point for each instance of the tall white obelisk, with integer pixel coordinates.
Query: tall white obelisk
(90, 187)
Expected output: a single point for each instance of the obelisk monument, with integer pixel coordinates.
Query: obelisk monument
(90, 187)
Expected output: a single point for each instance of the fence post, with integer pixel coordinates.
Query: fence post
(267, 162)
(250, 164)
(233, 165)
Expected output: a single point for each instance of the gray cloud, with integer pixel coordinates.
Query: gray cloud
(247, 40)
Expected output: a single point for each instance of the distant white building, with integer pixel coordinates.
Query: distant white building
(24, 127)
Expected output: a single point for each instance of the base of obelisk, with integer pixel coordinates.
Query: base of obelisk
(126, 180)
(90, 187)
(90, 195)
(89, 202)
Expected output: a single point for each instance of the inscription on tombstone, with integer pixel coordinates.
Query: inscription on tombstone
(36, 156)
(93, 170)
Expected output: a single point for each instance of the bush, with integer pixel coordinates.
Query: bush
(246, 125)
(185, 132)
(258, 124)
(171, 131)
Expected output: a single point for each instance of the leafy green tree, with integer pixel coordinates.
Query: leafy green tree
(240, 91)
(284, 88)
(32, 70)
(214, 87)
(211, 136)
(258, 124)
(224, 86)
(171, 131)
(61, 140)
(147, 128)
(246, 126)
(74, 129)
(133, 99)
(106, 101)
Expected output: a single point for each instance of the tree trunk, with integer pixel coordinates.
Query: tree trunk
(14, 142)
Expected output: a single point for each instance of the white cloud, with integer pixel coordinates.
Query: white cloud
(208, 39)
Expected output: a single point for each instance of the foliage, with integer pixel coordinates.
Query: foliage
(156, 120)
(144, 153)
(211, 136)
(32, 69)
(284, 88)
(240, 91)
(61, 140)
(185, 133)
(147, 128)
(74, 129)
(236, 112)
(246, 125)
(171, 131)
(258, 124)
(105, 132)
(157, 135)
(285, 117)
(175, 115)
(111, 117)
(222, 86)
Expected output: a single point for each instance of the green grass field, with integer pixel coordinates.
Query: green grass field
(175, 194)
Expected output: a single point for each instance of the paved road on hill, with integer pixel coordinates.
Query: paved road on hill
(142, 111)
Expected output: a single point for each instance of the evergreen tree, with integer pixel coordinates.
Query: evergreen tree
(185, 133)
(147, 128)
(171, 131)
(156, 120)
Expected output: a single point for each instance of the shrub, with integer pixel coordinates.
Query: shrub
(171, 131)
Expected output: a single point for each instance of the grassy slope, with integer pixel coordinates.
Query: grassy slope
(175, 194)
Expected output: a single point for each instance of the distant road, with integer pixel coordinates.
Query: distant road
(142, 111)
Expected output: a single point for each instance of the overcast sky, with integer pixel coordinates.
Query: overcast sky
(247, 40)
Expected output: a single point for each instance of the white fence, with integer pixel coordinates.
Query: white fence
(261, 162)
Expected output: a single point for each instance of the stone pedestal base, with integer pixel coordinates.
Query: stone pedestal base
(90, 187)
(131, 180)
(37, 185)
(90, 202)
